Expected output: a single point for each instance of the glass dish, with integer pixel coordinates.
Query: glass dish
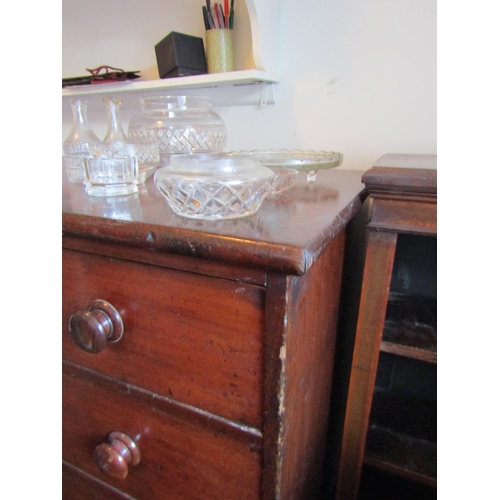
(214, 186)
(308, 161)
(111, 176)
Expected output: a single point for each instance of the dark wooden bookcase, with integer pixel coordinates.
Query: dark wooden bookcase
(389, 441)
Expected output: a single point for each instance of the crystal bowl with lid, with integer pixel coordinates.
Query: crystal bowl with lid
(214, 186)
(177, 124)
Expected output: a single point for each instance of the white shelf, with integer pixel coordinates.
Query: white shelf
(250, 86)
(244, 77)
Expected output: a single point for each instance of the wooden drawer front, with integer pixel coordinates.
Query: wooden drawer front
(193, 338)
(179, 459)
(77, 485)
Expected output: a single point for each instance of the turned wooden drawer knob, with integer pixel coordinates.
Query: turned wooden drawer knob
(94, 328)
(115, 456)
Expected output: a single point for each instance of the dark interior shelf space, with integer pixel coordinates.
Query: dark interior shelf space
(378, 484)
(415, 266)
(412, 322)
(410, 457)
(403, 419)
(410, 327)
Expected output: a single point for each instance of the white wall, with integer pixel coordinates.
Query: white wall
(356, 76)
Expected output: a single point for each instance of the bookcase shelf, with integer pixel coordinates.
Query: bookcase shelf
(391, 413)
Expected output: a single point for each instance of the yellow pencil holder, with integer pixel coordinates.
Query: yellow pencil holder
(219, 50)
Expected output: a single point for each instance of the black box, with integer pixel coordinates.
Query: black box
(180, 55)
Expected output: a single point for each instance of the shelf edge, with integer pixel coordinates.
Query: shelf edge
(398, 470)
(233, 78)
(408, 351)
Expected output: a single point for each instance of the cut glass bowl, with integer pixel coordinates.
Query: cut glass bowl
(214, 186)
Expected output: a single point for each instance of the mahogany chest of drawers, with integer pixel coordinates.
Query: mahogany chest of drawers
(198, 356)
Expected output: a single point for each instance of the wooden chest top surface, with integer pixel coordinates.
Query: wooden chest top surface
(287, 233)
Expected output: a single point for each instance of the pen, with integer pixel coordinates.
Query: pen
(218, 16)
(226, 13)
(215, 16)
(210, 20)
(210, 14)
(205, 18)
(231, 15)
(221, 16)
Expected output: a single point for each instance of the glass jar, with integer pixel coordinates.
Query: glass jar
(178, 124)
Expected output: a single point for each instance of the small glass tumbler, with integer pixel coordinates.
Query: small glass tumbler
(220, 50)
(111, 176)
(74, 168)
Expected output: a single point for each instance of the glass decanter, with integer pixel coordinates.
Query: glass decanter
(116, 144)
(80, 141)
(115, 134)
(112, 168)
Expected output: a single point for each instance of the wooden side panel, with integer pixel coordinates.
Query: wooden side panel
(276, 322)
(302, 368)
(310, 348)
(376, 282)
(181, 459)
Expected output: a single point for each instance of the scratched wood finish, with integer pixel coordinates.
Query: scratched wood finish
(306, 364)
(189, 337)
(299, 364)
(404, 201)
(180, 459)
(286, 235)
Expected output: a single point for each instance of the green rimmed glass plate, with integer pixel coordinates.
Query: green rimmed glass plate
(308, 161)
